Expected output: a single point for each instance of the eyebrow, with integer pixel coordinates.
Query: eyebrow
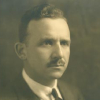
(53, 39)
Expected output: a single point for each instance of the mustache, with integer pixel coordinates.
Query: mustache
(56, 61)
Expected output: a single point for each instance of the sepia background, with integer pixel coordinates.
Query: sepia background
(84, 22)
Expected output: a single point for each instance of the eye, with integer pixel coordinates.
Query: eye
(65, 43)
(47, 42)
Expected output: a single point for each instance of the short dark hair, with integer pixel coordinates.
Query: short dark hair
(36, 13)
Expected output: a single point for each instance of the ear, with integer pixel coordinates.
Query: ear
(20, 49)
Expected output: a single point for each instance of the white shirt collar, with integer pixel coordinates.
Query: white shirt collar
(39, 89)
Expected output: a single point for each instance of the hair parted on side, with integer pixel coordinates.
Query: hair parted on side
(36, 13)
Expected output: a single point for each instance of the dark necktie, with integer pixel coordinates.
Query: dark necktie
(55, 95)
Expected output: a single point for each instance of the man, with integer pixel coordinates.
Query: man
(44, 47)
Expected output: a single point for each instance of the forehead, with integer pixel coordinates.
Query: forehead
(48, 28)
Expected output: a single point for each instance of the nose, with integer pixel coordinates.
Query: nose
(57, 51)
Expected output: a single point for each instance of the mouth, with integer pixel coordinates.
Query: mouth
(56, 65)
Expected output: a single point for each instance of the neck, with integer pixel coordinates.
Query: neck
(47, 82)
(44, 81)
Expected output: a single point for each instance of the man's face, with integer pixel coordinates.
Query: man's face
(48, 48)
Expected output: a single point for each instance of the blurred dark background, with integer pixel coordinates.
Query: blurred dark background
(84, 22)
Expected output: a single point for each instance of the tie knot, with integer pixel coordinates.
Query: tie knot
(54, 93)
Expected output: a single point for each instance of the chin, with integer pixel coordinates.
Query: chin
(56, 75)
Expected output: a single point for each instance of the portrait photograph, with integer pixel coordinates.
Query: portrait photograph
(49, 49)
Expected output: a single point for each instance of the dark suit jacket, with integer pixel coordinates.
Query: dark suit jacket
(19, 90)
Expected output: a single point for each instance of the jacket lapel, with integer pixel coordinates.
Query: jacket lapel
(66, 91)
(23, 91)
(69, 92)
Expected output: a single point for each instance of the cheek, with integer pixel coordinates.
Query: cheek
(43, 54)
(66, 54)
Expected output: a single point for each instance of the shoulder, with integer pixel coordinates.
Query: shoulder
(69, 91)
(18, 90)
(7, 93)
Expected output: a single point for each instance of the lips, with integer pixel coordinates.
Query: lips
(56, 65)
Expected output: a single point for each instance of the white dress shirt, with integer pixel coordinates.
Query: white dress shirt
(42, 91)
